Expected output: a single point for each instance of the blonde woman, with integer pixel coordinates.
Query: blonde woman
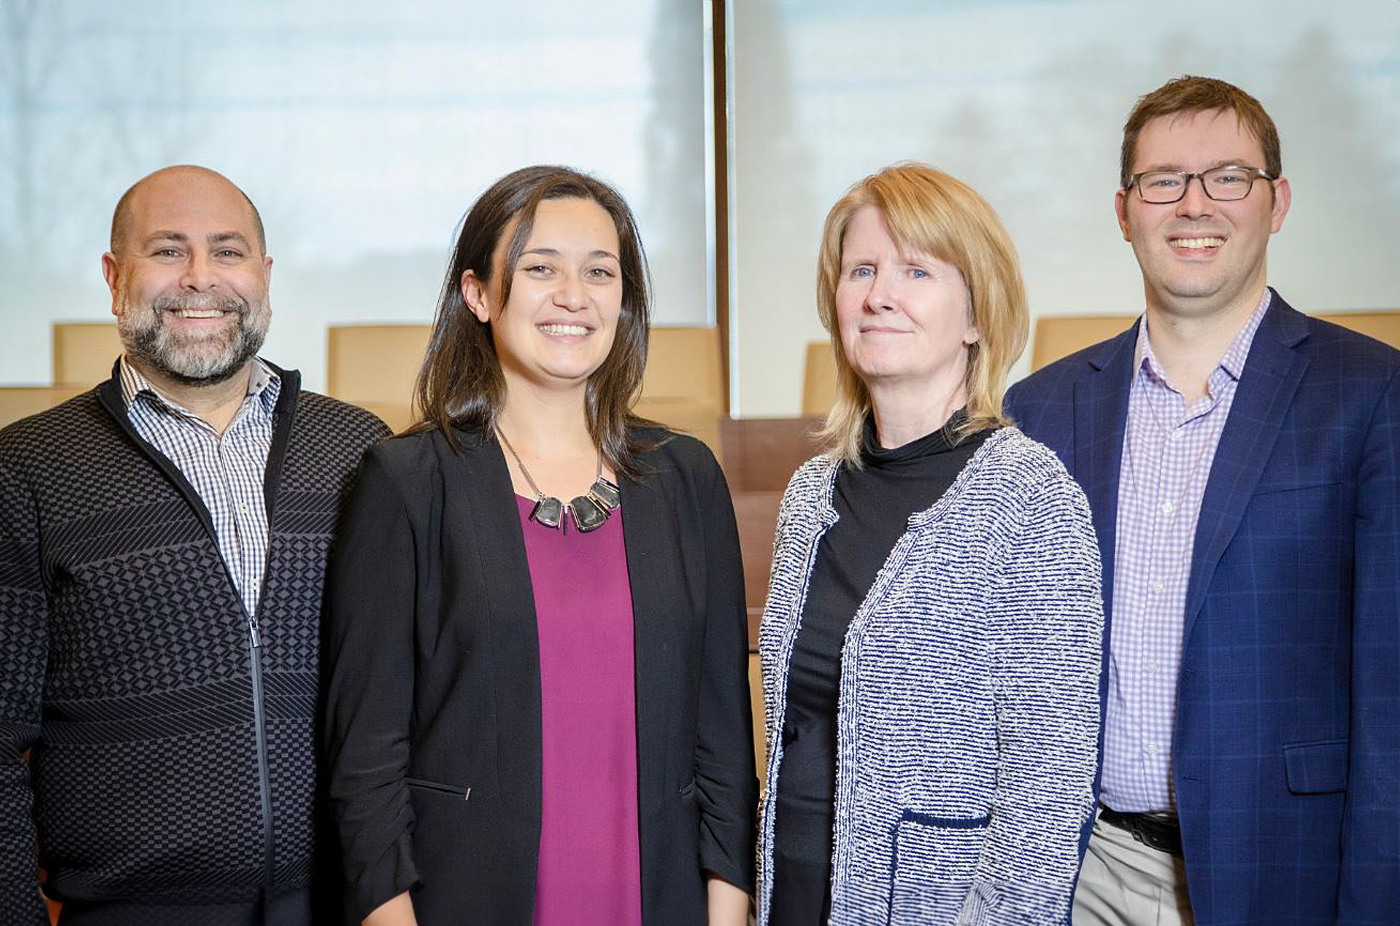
(931, 640)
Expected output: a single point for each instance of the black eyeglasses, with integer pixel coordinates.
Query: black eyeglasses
(1222, 184)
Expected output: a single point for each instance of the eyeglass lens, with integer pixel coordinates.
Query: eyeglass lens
(1222, 183)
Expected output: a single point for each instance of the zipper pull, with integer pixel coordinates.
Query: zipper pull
(253, 631)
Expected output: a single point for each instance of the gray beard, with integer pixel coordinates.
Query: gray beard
(202, 362)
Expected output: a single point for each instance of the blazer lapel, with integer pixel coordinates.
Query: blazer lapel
(659, 602)
(1100, 415)
(1270, 379)
(515, 640)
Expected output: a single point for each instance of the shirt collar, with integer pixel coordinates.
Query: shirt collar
(264, 384)
(1233, 361)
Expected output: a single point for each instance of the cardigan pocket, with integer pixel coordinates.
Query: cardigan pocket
(935, 859)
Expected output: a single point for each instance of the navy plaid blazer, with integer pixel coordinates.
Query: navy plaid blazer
(1286, 749)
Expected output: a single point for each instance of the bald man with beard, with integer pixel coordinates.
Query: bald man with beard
(162, 550)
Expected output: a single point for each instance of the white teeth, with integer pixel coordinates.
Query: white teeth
(1197, 243)
(199, 313)
(563, 329)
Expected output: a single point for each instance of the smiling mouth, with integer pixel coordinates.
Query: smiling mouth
(200, 306)
(565, 330)
(1196, 244)
(198, 313)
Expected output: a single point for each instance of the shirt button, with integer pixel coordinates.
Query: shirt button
(242, 509)
(1158, 585)
(1152, 749)
(1167, 507)
(1177, 434)
(1152, 666)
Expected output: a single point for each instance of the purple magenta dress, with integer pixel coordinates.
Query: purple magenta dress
(589, 866)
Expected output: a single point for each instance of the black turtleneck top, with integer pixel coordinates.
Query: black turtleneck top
(873, 505)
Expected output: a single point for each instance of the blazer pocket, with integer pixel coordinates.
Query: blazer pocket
(934, 861)
(1316, 768)
(1302, 491)
(433, 787)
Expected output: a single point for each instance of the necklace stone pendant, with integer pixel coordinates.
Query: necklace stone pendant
(605, 492)
(548, 511)
(588, 514)
(589, 511)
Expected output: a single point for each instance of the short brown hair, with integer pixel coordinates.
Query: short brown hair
(1191, 94)
(461, 384)
(929, 212)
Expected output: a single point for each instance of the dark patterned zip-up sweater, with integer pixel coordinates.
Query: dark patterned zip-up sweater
(173, 751)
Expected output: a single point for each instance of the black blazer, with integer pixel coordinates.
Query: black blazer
(433, 701)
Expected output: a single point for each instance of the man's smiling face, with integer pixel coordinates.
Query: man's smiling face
(190, 280)
(1200, 256)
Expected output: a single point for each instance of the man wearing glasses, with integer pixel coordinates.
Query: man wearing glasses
(1243, 463)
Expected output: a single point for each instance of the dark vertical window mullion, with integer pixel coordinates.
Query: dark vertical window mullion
(718, 74)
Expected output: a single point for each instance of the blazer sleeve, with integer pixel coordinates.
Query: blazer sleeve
(725, 784)
(1047, 634)
(1370, 870)
(24, 632)
(369, 691)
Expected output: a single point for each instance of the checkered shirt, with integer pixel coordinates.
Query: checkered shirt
(1168, 449)
(227, 470)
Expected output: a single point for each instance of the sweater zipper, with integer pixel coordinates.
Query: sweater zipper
(283, 417)
(109, 396)
(260, 734)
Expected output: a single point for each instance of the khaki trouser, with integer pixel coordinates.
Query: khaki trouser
(1127, 883)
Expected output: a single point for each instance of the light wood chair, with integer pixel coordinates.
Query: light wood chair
(760, 746)
(1383, 326)
(1058, 336)
(683, 386)
(18, 402)
(83, 352)
(818, 380)
(375, 367)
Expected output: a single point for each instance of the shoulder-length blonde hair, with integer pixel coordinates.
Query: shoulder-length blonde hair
(929, 212)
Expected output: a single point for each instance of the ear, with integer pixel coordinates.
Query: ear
(970, 334)
(475, 296)
(112, 274)
(1120, 209)
(1283, 198)
(267, 270)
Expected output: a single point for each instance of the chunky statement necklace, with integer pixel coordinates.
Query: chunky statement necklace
(589, 511)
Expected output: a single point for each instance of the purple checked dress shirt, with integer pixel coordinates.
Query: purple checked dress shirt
(1168, 449)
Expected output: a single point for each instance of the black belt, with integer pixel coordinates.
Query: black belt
(1158, 830)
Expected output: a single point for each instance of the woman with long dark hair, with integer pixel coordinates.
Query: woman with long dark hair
(538, 706)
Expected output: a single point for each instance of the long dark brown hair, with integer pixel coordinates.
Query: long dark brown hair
(461, 384)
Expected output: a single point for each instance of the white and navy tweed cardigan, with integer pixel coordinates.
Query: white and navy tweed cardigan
(968, 720)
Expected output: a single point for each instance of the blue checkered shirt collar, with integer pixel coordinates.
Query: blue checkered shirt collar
(264, 387)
